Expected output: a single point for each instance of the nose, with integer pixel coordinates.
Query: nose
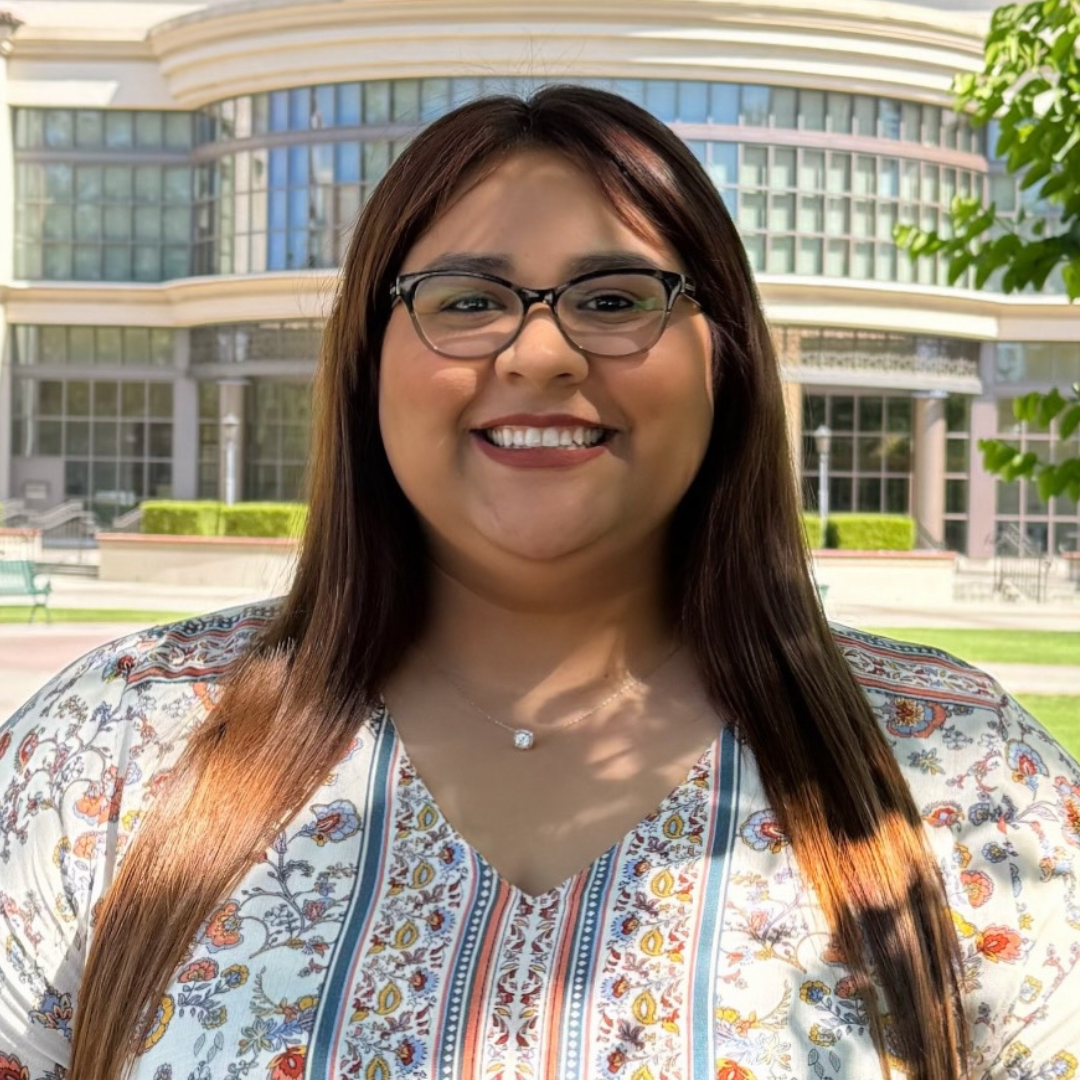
(540, 354)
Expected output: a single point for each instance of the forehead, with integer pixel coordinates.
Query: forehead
(541, 213)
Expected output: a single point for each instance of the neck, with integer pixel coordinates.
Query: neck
(513, 633)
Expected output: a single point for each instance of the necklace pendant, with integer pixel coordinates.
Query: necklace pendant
(523, 739)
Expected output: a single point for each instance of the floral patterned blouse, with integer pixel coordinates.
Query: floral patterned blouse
(372, 942)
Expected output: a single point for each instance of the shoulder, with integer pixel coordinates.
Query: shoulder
(999, 798)
(114, 716)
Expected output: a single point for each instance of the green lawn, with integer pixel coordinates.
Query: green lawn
(1006, 646)
(21, 614)
(1061, 715)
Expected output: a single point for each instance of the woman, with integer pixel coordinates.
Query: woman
(548, 766)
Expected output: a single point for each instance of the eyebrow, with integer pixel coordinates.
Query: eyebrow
(502, 265)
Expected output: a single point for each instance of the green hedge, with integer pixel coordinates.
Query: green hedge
(874, 532)
(812, 530)
(263, 519)
(175, 517)
(862, 532)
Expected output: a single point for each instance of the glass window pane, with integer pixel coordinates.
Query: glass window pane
(59, 129)
(29, 129)
(754, 106)
(755, 166)
(724, 163)
(406, 101)
(783, 169)
(77, 398)
(118, 222)
(349, 104)
(376, 160)
(869, 494)
(160, 399)
(660, 98)
(693, 102)
(781, 213)
(118, 183)
(898, 412)
(57, 262)
(932, 125)
(812, 170)
(118, 263)
(377, 102)
(812, 110)
(840, 113)
(59, 182)
(911, 122)
(89, 129)
(434, 99)
(119, 130)
(179, 134)
(810, 256)
(300, 109)
(839, 177)
(865, 170)
(889, 117)
(781, 258)
(811, 214)
(148, 183)
(784, 108)
(836, 258)
(149, 130)
(752, 210)
(889, 178)
(279, 110)
(105, 398)
(956, 455)
(864, 116)
(896, 495)
(724, 103)
(177, 187)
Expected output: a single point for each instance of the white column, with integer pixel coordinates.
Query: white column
(231, 460)
(928, 496)
(8, 25)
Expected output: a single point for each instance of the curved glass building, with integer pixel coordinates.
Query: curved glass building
(178, 182)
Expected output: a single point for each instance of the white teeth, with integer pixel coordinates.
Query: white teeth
(527, 438)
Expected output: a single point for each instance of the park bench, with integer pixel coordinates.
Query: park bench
(19, 578)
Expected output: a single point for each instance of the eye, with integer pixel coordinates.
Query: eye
(479, 303)
(611, 303)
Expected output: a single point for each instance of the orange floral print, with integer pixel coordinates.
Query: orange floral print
(999, 943)
(223, 928)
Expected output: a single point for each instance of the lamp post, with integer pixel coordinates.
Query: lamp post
(823, 439)
(230, 428)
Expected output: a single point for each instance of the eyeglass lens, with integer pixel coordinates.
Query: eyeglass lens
(613, 315)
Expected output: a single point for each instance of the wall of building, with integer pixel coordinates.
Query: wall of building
(174, 168)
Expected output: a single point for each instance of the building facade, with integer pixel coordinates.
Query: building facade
(178, 182)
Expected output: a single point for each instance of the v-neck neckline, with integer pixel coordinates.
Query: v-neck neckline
(702, 765)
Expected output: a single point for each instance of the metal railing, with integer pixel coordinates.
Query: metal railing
(1021, 568)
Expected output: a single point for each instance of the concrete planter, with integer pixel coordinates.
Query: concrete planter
(226, 561)
(907, 578)
(20, 544)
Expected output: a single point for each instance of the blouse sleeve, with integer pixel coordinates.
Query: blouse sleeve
(1015, 819)
(65, 757)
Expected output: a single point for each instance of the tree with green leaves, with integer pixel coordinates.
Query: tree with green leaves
(1029, 85)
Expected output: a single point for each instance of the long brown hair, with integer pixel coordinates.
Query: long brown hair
(740, 589)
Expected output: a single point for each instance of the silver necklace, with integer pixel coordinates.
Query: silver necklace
(524, 738)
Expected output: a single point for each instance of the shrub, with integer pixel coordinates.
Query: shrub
(874, 532)
(177, 517)
(812, 531)
(263, 519)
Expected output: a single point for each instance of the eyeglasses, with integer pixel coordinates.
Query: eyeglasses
(474, 316)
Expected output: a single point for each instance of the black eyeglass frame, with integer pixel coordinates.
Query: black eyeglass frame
(675, 285)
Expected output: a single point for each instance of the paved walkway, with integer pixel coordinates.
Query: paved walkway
(29, 655)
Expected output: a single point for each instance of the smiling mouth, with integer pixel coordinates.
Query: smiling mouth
(533, 438)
